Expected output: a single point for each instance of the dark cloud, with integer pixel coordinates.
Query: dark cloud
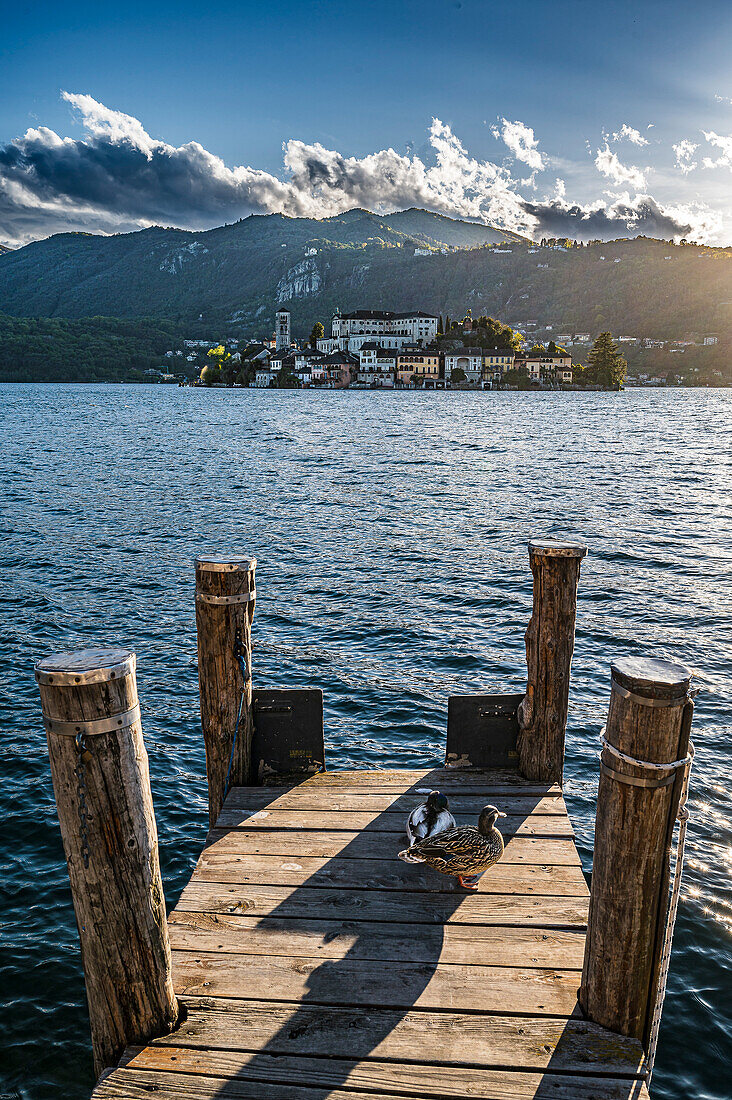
(117, 177)
(623, 217)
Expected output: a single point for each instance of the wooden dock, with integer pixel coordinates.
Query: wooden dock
(310, 962)
(304, 960)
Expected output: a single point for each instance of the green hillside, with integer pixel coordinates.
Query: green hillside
(233, 278)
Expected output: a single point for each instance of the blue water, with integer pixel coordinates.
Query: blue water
(391, 536)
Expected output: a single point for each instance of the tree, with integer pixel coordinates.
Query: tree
(440, 328)
(447, 323)
(317, 334)
(458, 375)
(210, 374)
(605, 364)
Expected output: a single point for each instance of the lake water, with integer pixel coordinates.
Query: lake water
(391, 532)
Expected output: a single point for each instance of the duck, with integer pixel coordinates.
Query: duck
(463, 851)
(430, 817)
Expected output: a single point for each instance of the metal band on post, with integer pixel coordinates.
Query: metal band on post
(99, 725)
(227, 601)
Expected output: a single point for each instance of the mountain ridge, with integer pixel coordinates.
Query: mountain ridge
(234, 277)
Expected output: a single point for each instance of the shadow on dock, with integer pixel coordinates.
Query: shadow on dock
(359, 1023)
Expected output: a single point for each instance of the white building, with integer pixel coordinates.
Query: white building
(377, 365)
(282, 329)
(375, 324)
(263, 378)
(468, 360)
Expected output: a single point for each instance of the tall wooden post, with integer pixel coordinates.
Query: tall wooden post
(549, 646)
(102, 786)
(649, 719)
(225, 597)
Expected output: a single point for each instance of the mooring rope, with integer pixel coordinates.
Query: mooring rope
(682, 816)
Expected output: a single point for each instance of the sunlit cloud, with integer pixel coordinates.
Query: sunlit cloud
(521, 141)
(609, 165)
(629, 133)
(684, 151)
(721, 142)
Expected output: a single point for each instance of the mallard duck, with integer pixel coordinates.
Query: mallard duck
(464, 851)
(430, 817)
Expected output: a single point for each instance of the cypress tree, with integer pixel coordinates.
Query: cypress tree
(440, 329)
(605, 364)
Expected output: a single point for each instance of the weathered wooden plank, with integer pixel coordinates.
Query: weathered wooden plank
(139, 1084)
(503, 878)
(377, 821)
(442, 778)
(536, 991)
(473, 944)
(388, 1077)
(415, 907)
(567, 1046)
(304, 797)
(224, 844)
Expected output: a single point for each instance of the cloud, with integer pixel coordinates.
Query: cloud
(623, 216)
(521, 141)
(631, 134)
(116, 178)
(723, 99)
(723, 143)
(608, 164)
(684, 151)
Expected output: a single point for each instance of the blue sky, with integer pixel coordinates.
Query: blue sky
(608, 117)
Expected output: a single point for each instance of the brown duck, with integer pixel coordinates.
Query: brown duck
(464, 851)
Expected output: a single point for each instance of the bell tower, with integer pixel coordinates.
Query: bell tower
(282, 329)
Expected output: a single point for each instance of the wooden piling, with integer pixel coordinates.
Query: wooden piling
(225, 597)
(102, 785)
(542, 715)
(649, 719)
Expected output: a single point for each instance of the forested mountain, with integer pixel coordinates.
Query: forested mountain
(233, 278)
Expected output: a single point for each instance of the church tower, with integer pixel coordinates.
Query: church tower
(282, 329)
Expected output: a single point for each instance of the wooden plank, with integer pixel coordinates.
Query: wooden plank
(518, 801)
(535, 991)
(224, 844)
(138, 1084)
(473, 944)
(443, 778)
(503, 878)
(387, 1077)
(567, 1046)
(415, 907)
(378, 821)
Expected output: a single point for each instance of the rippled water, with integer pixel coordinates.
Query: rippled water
(391, 537)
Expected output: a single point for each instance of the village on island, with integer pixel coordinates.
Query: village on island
(378, 349)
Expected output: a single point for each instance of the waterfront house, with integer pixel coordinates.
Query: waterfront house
(417, 366)
(468, 360)
(377, 365)
(544, 367)
(263, 378)
(340, 369)
(495, 363)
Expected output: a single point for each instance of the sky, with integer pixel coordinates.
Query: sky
(549, 117)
